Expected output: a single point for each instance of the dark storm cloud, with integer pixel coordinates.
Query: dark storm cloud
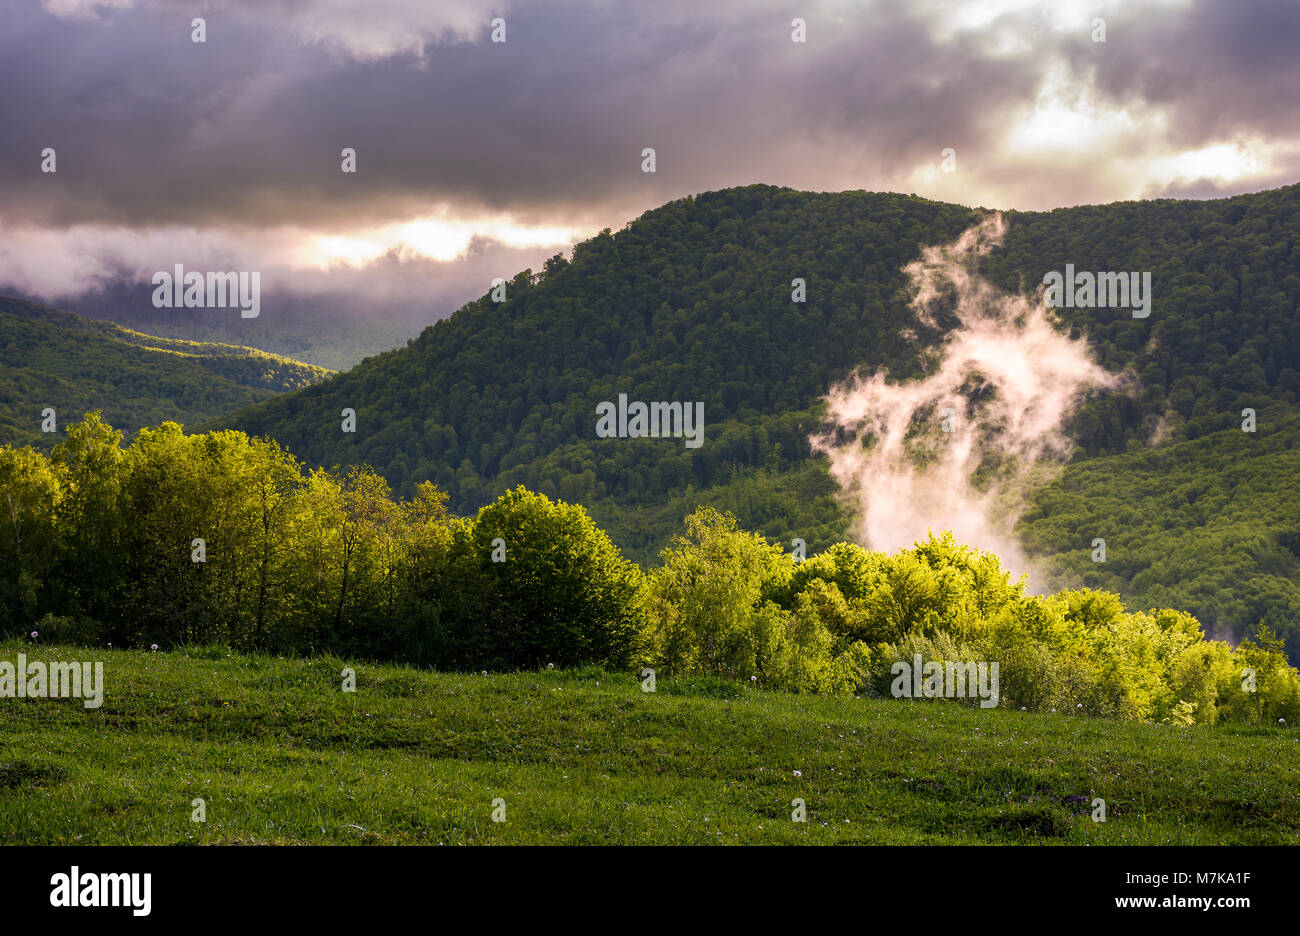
(239, 138)
(151, 128)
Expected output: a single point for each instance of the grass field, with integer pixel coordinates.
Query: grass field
(281, 754)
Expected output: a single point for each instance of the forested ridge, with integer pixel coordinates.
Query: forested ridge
(1209, 525)
(692, 301)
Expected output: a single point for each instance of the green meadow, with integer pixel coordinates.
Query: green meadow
(279, 753)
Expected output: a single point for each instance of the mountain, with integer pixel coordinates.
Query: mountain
(692, 302)
(307, 328)
(50, 358)
(689, 303)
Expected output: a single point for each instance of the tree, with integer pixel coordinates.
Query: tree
(29, 499)
(707, 613)
(91, 463)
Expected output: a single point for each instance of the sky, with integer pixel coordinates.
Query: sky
(476, 159)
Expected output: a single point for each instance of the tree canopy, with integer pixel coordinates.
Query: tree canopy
(219, 538)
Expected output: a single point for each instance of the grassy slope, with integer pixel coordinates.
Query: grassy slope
(281, 755)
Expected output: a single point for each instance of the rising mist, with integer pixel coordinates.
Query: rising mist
(959, 448)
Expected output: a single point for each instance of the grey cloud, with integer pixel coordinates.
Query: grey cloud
(247, 129)
(244, 133)
(1221, 67)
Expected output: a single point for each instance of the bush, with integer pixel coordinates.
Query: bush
(560, 593)
(67, 629)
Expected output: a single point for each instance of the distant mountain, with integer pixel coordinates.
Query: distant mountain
(50, 358)
(692, 302)
(308, 328)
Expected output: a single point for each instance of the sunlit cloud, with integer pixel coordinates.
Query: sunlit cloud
(56, 264)
(1220, 162)
(432, 238)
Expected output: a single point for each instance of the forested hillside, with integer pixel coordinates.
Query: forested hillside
(692, 301)
(1223, 333)
(1211, 526)
(74, 365)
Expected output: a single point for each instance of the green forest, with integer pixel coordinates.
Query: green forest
(692, 301)
(1210, 525)
(220, 539)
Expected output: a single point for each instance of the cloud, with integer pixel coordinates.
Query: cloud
(369, 31)
(60, 265)
(242, 135)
